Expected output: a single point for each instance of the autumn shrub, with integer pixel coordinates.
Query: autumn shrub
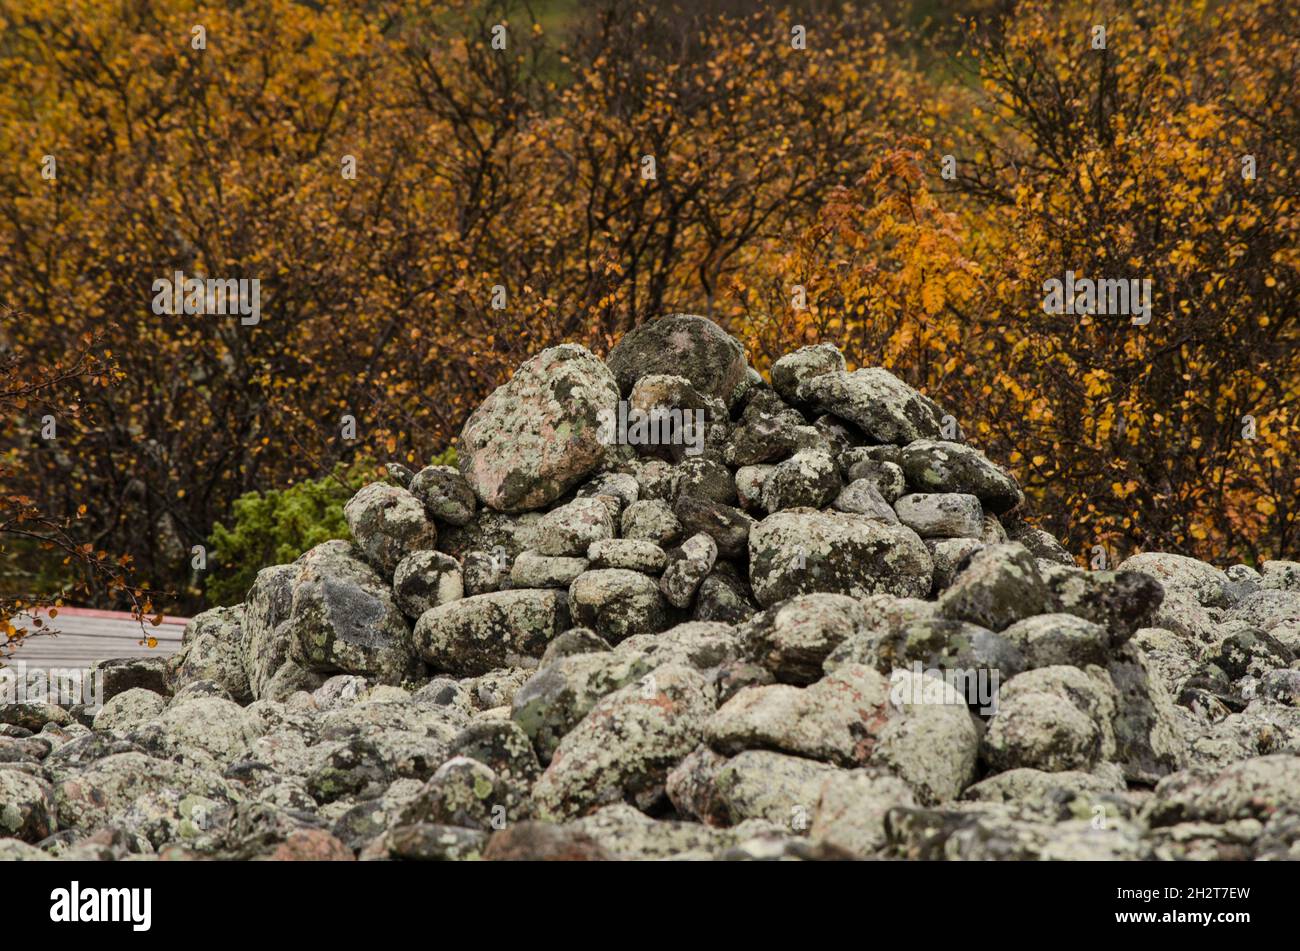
(425, 211)
(1127, 161)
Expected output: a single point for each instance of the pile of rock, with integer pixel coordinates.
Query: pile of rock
(807, 620)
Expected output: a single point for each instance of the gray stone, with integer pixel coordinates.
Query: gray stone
(426, 579)
(326, 613)
(803, 552)
(477, 634)
(884, 407)
(933, 465)
(1000, 585)
(616, 603)
(808, 478)
(445, 494)
(623, 749)
(632, 554)
(804, 364)
(687, 567)
(539, 435)
(387, 524)
(683, 345)
(533, 570)
(570, 529)
(943, 515)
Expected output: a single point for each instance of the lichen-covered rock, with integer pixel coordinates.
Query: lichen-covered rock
(387, 524)
(837, 719)
(687, 567)
(463, 792)
(543, 842)
(793, 638)
(727, 526)
(945, 467)
(534, 570)
(760, 784)
(681, 345)
(423, 842)
(1053, 719)
(724, 596)
(851, 812)
(1284, 575)
(941, 515)
(627, 833)
(1149, 743)
(863, 498)
(540, 434)
(884, 407)
(221, 728)
(560, 694)
(1000, 585)
(211, 649)
(475, 635)
(570, 530)
(426, 579)
(27, 809)
(632, 554)
(933, 746)
(109, 785)
(328, 612)
(1253, 789)
(129, 710)
(1036, 788)
(950, 557)
(1180, 573)
(616, 603)
(1120, 601)
(497, 534)
(1048, 639)
(808, 478)
(749, 485)
(801, 552)
(1268, 609)
(996, 834)
(33, 715)
(445, 494)
(623, 749)
(651, 520)
(934, 643)
(804, 364)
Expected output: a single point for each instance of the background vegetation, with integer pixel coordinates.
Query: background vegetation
(776, 167)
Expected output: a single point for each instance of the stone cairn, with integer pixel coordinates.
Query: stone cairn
(796, 620)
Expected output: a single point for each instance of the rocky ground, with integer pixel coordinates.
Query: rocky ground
(577, 649)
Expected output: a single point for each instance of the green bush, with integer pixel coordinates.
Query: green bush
(276, 526)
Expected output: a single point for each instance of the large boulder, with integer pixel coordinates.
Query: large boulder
(933, 465)
(540, 434)
(680, 345)
(478, 634)
(804, 551)
(326, 613)
(211, 649)
(623, 749)
(387, 524)
(877, 402)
